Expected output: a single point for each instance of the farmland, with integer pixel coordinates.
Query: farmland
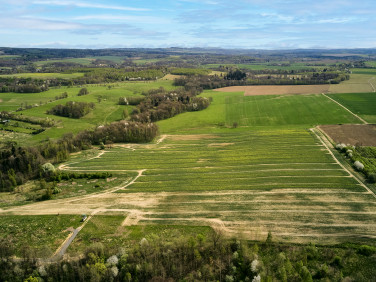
(246, 182)
(251, 165)
(363, 104)
(44, 75)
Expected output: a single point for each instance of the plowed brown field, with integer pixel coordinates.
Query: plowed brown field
(353, 134)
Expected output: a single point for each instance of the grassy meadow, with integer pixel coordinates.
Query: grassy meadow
(45, 75)
(303, 111)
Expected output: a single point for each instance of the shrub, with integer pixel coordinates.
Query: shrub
(340, 146)
(366, 250)
(83, 91)
(372, 178)
(358, 165)
(48, 168)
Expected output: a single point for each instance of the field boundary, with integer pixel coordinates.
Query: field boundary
(373, 87)
(322, 138)
(362, 120)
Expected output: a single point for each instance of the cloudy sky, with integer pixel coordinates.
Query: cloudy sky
(261, 24)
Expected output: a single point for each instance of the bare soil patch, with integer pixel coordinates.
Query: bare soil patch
(352, 134)
(191, 137)
(276, 89)
(220, 144)
(171, 76)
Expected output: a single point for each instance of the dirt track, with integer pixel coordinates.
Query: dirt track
(151, 208)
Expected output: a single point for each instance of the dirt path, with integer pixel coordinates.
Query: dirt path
(133, 218)
(160, 140)
(59, 253)
(373, 87)
(358, 117)
(327, 144)
(66, 166)
(108, 191)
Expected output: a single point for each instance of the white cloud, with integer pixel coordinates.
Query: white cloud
(336, 20)
(87, 5)
(38, 24)
(138, 19)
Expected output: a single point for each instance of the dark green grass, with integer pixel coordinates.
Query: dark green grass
(284, 110)
(261, 111)
(364, 71)
(362, 104)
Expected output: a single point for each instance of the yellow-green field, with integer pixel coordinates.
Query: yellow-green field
(44, 75)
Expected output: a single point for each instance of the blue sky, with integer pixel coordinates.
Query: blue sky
(250, 24)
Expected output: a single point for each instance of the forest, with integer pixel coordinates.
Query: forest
(203, 257)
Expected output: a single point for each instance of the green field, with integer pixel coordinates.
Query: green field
(279, 180)
(249, 111)
(83, 61)
(362, 104)
(45, 75)
(9, 56)
(364, 71)
(103, 227)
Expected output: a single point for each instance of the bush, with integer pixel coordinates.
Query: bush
(83, 91)
(340, 146)
(358, 165)
(48, 168)
(366, 250)
(372, 178)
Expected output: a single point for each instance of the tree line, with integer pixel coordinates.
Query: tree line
(20, 164)
(91, 76)
(240, 78)
(23, 85)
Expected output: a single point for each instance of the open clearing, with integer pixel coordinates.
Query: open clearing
(353, 134)
(283, 181)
